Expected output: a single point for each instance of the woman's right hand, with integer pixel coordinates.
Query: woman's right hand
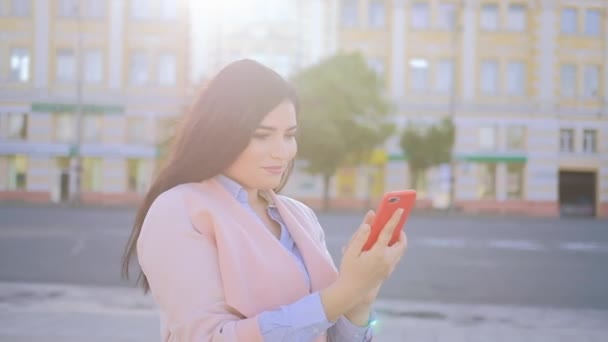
(363, 271)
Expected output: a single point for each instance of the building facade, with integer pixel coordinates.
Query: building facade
(124, 63)
(525, 83)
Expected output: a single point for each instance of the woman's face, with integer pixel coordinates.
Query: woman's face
(271, 148)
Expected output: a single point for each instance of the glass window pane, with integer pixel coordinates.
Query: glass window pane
(139, 68)
(420, 15)
(593, 23)
(487, 138)
(486, 181)
(377, 65)
(349, 13)
(516, 78)
(592, 81)
(93, 68)
(168, 9)
(66, 66)
(20, 8)
(65, 127)
(68, 8)
(166, 69)
(566, 140)
(445, 76)
(515, 181)
(489, 17)
(376, 13)
(447, 16)
(569, 21)
(17, 172)
(489, 77)
(20, 65)
(568, 81)
(516, 138)
(590, 141)
(516, 19)
(419, 69)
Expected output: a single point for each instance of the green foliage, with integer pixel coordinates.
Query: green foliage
(344, 113)
(428, 147)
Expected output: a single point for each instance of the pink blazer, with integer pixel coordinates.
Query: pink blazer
(213, 268)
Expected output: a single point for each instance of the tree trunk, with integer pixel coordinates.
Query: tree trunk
(326, 179)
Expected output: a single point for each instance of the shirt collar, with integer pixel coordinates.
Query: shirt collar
(239, 193)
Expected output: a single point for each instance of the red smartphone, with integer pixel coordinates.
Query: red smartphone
(391, 201)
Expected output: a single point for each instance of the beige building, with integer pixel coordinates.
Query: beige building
(125, 62)
(525, 82)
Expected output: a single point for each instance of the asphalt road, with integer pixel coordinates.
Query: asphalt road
(553, 263)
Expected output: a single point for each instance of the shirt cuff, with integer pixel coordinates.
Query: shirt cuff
(307, 314)
(345, 330)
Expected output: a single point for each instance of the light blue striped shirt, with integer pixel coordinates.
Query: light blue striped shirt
(304, 319)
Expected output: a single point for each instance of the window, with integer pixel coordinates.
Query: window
(420, 15)
(516, 138)
(489, 17)
(376, 13)
(93, 66)
(349, 13)
(68, 8)
(447, 16)
(65, 127)
(66, 66)
(566, 140)
(94, 9)
(91, 174)
(166, 69)
(20, 65)
(591, 78)
(515, 181)
(445, 75)
(168, 9)
(569, 21)
(568, 81)
(137, 175)
(377, 65)
(141, 9)
(489, 77)
(516, 18)
(20, 8)
(17, 126)
(92, 126)
(516, 79)
(419, 69)
(17, 172)
(590, 141)
(593, 23)
(487, 181)
(139, 68)
(487, 138)
(137, 129)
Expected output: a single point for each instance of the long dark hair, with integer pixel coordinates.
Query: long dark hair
(214, 132)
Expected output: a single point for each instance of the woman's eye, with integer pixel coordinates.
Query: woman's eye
(290, 136)
(260, 136)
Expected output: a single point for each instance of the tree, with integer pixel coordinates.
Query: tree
(343, 116)
(427, 147)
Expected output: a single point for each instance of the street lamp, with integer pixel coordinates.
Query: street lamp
(75, 186)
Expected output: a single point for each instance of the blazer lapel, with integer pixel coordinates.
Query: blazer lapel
(318, 262)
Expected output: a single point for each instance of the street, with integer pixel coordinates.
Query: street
(547, 263)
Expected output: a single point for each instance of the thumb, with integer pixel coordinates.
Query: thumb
(359, 240)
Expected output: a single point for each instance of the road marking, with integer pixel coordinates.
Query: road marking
(522, 245)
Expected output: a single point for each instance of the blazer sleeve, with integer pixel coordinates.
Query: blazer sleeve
(180, 262)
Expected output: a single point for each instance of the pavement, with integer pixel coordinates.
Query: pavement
(66, 313)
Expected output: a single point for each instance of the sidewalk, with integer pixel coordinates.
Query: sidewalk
(54, 313)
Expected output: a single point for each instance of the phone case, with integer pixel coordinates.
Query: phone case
(390, 203)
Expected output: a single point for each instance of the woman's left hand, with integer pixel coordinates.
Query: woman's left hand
(363, 307)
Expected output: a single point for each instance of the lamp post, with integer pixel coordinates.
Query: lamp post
(75, 148)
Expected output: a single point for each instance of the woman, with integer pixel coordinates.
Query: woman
(224, 256)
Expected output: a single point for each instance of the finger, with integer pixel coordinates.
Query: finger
(387, 231)
(356, 245)
(395, 252)
(369, 217)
